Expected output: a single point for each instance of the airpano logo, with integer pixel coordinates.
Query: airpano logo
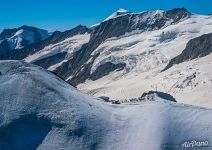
(192, 144)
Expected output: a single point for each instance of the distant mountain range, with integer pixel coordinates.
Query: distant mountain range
(123, 56)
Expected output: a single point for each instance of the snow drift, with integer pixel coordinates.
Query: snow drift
(38, 110)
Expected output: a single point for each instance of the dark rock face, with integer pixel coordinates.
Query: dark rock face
(105, 69)
(104, 98)
(4, 47)
(77, 68)
(197, 47)
(150, 95)
(7, 33)
(177, 14)
(51, 60)
(123, 24)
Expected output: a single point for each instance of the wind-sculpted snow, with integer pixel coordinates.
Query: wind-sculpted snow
(71, 116)
(38, 110)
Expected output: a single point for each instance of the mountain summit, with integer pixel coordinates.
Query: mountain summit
(119, 12)
(18, 38)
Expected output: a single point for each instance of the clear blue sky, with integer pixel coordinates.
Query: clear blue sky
(65, 14)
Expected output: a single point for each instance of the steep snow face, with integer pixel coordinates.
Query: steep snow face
(69, 45)
(145, 55)
(16, 40)
(118, 13)
(43, 112)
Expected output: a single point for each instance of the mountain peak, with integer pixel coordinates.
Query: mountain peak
(179, 10)
(118, 13)
(20, 37)
(122, 10)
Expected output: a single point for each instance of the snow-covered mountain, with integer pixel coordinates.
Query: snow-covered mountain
(145, 54)
(83, 60)
(20, 37)
(118, 13)
(123, 56)
(41, 111)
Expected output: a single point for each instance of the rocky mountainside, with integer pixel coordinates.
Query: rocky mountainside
(111, 27)
(41, 111)
(196, 48)
(80, 65)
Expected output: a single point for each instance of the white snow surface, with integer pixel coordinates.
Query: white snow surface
(88, 123)
(145, 55)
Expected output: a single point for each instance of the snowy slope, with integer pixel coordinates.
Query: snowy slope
(145, 55)
(157, 46)
(189, 82)
(47, 113)
(69, 45)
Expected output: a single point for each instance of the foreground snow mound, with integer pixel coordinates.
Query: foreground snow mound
(37, 107)
(40, 111)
